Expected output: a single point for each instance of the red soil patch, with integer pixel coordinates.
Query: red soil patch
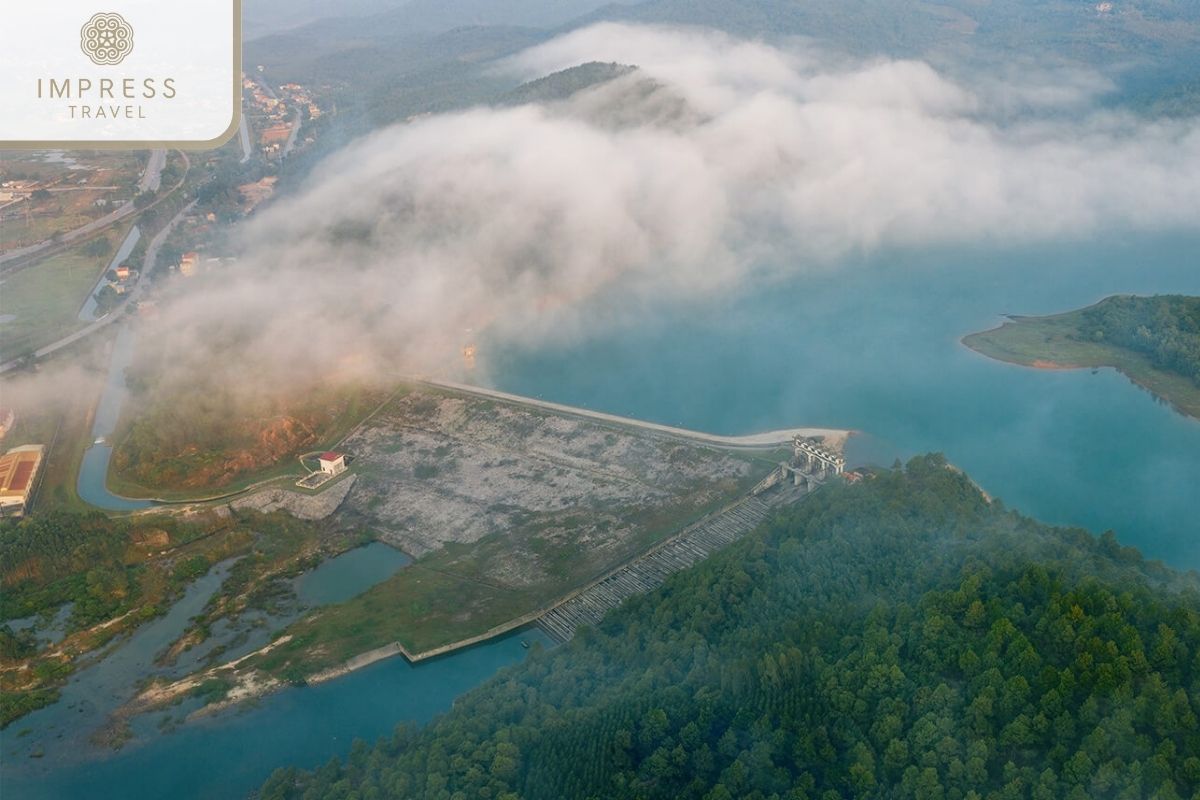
(1040, 363)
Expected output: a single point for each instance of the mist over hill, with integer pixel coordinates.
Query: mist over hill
(1145, 48)
(266, 17)
(904, 638)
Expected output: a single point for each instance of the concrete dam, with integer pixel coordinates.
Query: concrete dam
(791, 481)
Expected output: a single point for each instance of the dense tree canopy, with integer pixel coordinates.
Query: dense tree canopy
(899, 638)
(1165, 327)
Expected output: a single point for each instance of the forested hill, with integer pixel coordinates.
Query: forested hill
(1166, 328)
(897, 638)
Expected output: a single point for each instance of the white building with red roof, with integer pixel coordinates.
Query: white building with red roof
(332, 463)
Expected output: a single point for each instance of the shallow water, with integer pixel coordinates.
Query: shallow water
(350, 574)
(48, 754)
(61, 732)
(50, 630)
(229, 755)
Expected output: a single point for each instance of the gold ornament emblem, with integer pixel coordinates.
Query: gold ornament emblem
(106, 38)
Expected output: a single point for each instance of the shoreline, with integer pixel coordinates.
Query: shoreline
(246, 682)
(1169, 388)
(256, 683)
(833, 438)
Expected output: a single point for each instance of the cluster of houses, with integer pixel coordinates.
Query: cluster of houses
(301, 96)
(15, 190)
(273, 128)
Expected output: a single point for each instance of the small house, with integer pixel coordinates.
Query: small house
(332, 463)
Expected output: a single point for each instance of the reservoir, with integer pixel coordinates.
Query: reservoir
(350, 574)
(872, 344)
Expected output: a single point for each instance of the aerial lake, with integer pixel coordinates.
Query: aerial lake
(874, 346)
(871, 345)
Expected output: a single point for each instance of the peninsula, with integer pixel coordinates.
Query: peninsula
(516, 511)
(1154, 341)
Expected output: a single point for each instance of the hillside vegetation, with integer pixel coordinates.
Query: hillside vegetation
(1165, 328)
(1155, 341)
(899, 638)
(175, 442)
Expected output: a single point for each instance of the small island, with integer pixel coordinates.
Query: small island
(1155, 341)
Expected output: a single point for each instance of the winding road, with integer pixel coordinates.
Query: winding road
(148, 265)
(151, 180)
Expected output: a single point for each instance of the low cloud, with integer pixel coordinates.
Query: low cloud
(517, 221)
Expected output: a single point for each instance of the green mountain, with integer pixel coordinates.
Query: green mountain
(563, 84)
(1087, 31)
(904, 637)
(607, 95)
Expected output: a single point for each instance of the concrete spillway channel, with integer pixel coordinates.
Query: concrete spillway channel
(651, 570)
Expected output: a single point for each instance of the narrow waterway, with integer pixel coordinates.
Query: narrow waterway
(88, 312)
(92, 484)
(51, 753)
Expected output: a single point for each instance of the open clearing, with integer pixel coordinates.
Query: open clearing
(41, 303)
(508, 509)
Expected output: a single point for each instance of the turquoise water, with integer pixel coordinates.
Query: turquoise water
(48, 754)
(874, 346)
(351, 573)
(227, 756)
(93, 472)
(333, 581)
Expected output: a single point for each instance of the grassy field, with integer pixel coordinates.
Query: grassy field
(1053, 342)
(451, 595)
(563, 501)
(45, 299)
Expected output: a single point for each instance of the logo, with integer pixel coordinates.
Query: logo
(106, 38)
(141, 74)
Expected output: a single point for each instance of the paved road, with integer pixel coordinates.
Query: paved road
(148, 266)
(833, 436)
(291, 142)
(244, 133)
(151, 179)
